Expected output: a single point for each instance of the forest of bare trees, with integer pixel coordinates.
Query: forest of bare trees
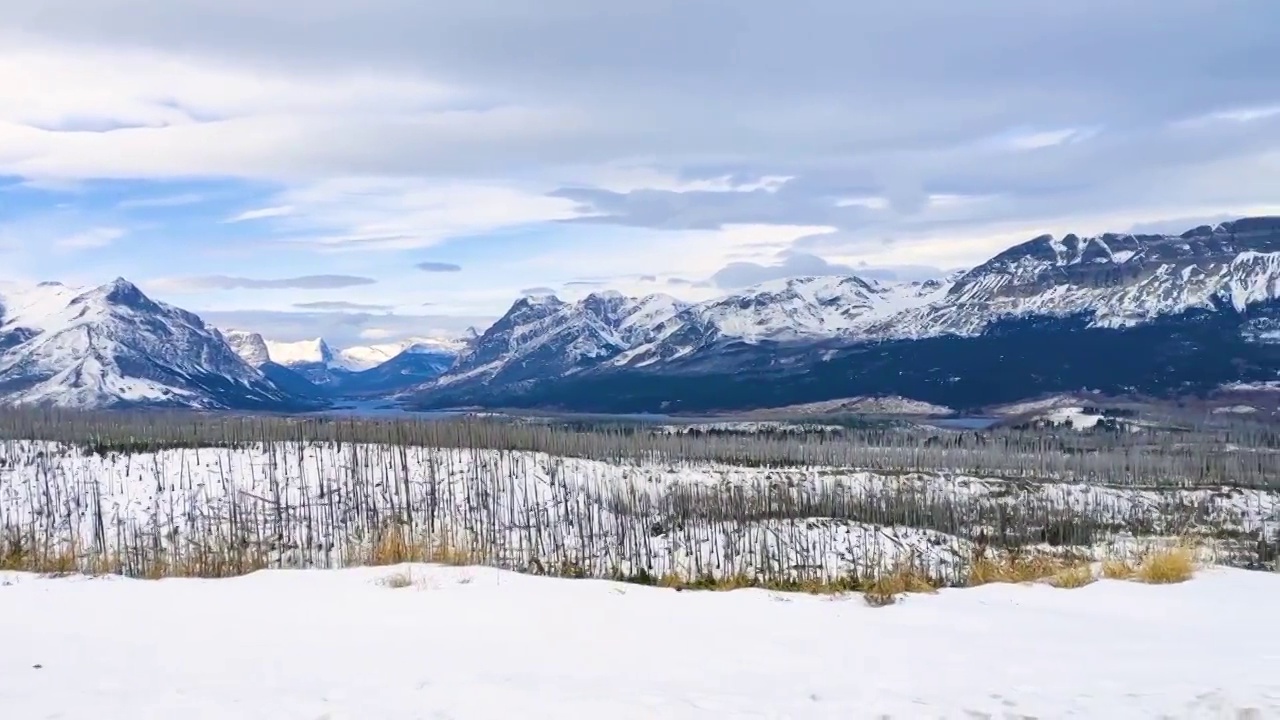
(147, 492)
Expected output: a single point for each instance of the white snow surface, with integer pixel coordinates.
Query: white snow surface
(303, 352)
(1053, 402)
(474, 643)
(871, 405)
(1076, 417)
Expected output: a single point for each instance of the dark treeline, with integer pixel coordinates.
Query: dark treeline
(1235, 453)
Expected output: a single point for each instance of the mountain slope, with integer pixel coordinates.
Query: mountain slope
(1121, 280)
(544, 336)
(112, 346)
(993, 333)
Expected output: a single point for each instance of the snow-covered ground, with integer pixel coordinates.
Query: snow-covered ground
(749, 427)
(479, 644)
(604, 516)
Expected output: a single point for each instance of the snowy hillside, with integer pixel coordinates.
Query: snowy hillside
(113, 346)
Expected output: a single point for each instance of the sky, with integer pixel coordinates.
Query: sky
(374, 170)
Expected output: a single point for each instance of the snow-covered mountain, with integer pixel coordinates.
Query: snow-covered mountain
(250, 346)
(543, 336)
(1120, 280)
(313, 367)
(317, 352)
(368, 357)
(790, 330)
(303, 352)
(113, 346)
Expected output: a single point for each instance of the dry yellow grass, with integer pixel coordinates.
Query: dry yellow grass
(1167, 566)
(1072, 578)
(1118, 569)
(1018, 568)
(903, 578)
(395, 546)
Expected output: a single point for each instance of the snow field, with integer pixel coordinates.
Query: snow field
(477, 643)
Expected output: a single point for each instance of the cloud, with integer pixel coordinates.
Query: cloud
(537, 291)
(223, 282)
(163, 201)
(262, 213)
(343, 329)
(792, 264)
(438, 267)
(340, 305)
(399, 125)
(90, 239)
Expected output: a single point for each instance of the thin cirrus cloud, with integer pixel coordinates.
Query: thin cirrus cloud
(90, 239)
(438, 267)
(226, 282)
(261, 214)
(342, 305)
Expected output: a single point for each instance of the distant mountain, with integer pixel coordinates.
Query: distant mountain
(415, 365)
(250, 346)
(1165, 314)
(112, 346)
(542, 336)
(313, 368)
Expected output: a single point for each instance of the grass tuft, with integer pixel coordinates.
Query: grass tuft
(1073, 578)
(398, 581)
(1168, 566)
(904, 577)
(1118, 569)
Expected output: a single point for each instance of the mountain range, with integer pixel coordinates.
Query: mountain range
(1166, 315)
(1119, 313)
(313, 368)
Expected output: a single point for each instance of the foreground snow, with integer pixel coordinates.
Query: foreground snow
(478, 643)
